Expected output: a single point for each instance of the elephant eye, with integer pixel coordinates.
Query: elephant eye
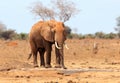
(64, 33)
(63, 25)
(54, 31)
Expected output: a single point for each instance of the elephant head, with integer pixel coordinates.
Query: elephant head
(54, 31)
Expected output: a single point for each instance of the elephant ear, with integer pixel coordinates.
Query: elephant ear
(47, 33)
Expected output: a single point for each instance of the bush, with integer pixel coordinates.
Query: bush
(89, 36)
(8, 34)
(23, 36)
(110, 36)
(74, 36)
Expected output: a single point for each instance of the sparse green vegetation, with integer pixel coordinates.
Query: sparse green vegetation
(12, 34)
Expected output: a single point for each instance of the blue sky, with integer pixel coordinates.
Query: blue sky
(95, 15)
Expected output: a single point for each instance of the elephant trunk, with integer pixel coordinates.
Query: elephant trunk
(60, 54)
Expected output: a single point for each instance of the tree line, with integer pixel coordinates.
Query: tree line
(11, 34)
(99, 35)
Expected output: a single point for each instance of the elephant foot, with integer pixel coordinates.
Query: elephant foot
(35, 66)
(64, 67)
(59, 66)
(48, 66)
(42, 66)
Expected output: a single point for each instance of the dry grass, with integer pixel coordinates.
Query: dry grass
(14, 54)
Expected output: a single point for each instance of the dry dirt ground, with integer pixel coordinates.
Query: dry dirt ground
(84, 66)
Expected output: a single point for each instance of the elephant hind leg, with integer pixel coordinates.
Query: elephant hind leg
(34, 51)
(35, 59)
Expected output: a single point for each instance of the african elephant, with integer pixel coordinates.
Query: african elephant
(41, 37)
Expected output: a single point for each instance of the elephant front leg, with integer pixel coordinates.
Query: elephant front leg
(48, 60)
(62, 62)
(42, 62)
(57, 58)
(48, 56)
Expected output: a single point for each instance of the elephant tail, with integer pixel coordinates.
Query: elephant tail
(29, 56)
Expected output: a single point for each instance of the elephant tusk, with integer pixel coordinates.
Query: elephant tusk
(56, 45)
(66, 46)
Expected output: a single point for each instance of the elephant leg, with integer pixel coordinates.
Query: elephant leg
(48, 59)
(35, 59)
(41, 52)
(48, 55)
(34, 52)
(62, 59)
(62, 62)
(57, 58)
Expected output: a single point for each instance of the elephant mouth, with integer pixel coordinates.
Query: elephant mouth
(58, 47)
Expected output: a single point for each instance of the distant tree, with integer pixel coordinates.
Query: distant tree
(110, 36)
(99, 34)
(8, 34)
(89, 36)
(2, 28)
(81, 36)
(73, 36)
(62, 10)
(70, 36)
(42, 11)
(118, 27)
(23, 36)
(66, 9)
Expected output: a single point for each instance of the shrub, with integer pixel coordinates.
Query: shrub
(8, 34)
